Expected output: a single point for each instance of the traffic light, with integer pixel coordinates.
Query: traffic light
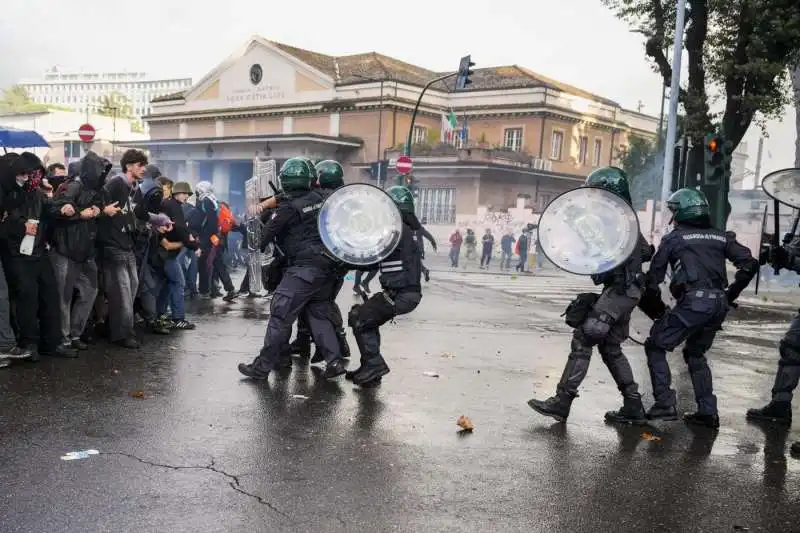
(715, 171)
(727, 159)
(464, 72)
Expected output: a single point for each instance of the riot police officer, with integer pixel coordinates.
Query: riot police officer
(310, 274)
(779, 409)
(330, 176)
(696, 253)
(401, 294)
(603, 322)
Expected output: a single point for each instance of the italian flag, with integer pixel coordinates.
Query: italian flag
(449, 125)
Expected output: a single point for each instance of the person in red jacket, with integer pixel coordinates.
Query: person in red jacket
(455, 247)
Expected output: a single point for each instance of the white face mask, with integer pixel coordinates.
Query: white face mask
(22, 180)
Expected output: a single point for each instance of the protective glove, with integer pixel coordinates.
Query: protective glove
(780, 257)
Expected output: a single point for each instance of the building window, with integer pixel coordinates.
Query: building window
(557, 145)
(541, 202)
(419, 135)
(598, 149)
(583, 150)
(512, 139)
(436, 206)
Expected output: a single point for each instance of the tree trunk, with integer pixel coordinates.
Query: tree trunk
(796, 86)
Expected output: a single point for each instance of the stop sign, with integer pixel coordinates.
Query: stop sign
(86, 133)
(404, 164)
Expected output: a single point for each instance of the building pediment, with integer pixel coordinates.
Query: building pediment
(260, 74)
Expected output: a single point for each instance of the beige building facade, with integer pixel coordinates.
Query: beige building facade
(517, 134)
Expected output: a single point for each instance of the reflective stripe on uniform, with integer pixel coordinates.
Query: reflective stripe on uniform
(392, 266)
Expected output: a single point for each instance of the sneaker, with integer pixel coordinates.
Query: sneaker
(78, 344)
(182, 325)
(231, 296)
(15, 352)
(130, 343)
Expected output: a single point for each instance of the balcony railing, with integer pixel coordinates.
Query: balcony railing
(473, 152)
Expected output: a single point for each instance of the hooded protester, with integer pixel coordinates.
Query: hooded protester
(8, 341)
(30, 274)
(75, 212)
(206, 224)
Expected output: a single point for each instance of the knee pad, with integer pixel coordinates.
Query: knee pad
(596, 327)
(352, 316)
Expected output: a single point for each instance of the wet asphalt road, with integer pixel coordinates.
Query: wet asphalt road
(205, 451)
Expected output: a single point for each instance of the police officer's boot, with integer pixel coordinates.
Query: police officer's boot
(373, 369)
(795, 449)
(700, 374)
(574, 373)
(778, 412)
(632, 410)
(301, 345)
(556, 406)
(344, 348)
(350, 374)
(334, 369)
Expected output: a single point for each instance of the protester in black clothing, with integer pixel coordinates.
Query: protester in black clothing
(31, 281)
(75, 211)
(115, 240)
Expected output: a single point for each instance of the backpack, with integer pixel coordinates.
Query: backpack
(195, 219)
(226, 219)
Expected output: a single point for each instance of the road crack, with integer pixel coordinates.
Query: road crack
(233, 480)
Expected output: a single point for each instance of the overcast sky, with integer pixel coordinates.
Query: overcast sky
(580, 42)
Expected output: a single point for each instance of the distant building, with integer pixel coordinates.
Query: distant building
(82, 91)
(741, 178)
(60, 130)
(513, 134)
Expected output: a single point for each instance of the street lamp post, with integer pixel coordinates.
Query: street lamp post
(672, 120)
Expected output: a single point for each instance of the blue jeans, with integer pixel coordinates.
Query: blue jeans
(171, 293)
(188, 262)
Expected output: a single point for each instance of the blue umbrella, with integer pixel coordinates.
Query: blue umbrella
(14, 138)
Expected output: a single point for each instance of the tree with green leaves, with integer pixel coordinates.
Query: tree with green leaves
(118, 105)
(638, 156)
(738, 55)
(16, 99)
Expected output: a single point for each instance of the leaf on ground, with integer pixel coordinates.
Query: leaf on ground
(137, 394)
(465, 423)
(648, 436)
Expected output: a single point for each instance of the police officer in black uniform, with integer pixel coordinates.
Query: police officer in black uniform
(309, 277)
(330, 175)
(604, 324)
(401, 294)
(779, 409)
(696, 253)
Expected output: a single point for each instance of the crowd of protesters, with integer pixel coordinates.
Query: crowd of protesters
(87, 254)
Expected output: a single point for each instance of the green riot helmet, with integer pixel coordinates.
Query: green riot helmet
(611, 179)
(297, 174)
(330, 174)
(403, 198)
(688, 204)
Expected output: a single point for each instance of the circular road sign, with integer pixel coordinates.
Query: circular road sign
(404, 164)
(86, 133)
